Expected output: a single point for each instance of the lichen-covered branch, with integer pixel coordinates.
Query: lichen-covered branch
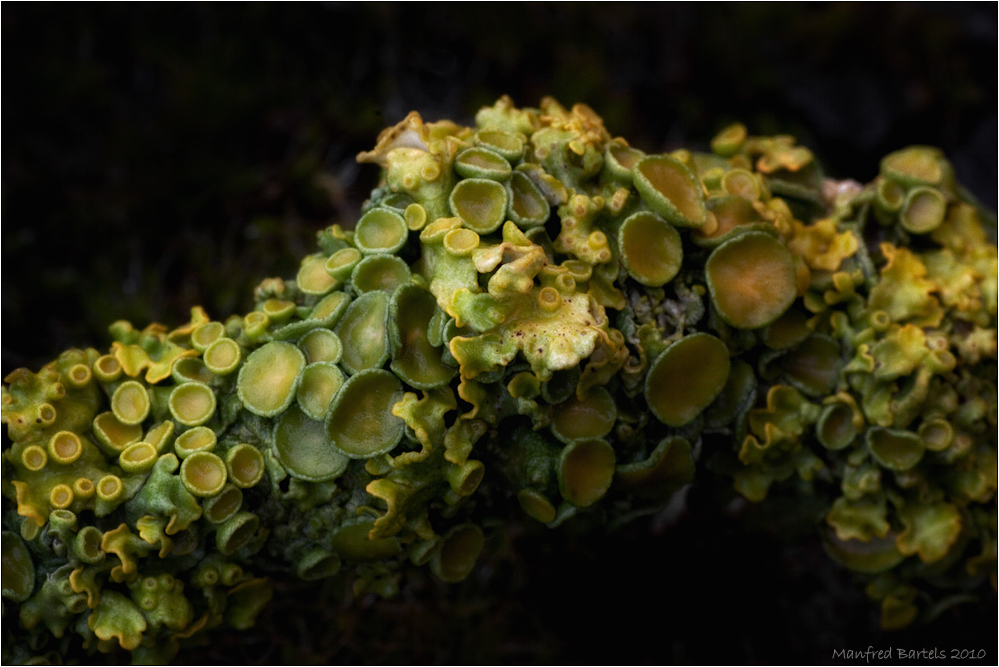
(534, 304)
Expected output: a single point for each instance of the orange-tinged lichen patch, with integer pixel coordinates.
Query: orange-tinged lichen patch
(752, 279)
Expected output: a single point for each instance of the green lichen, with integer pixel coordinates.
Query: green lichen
(533, 303)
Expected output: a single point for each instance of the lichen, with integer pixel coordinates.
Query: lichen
(535, 303)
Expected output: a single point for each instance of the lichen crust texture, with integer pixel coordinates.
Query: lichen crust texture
(496, 343)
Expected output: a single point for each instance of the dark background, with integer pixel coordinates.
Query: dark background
(156, 157)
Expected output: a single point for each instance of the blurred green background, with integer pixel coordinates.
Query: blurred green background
(161, 156)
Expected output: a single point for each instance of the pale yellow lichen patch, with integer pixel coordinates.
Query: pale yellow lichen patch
(962, 231)
(820, 244)
(581, 120)
(903, 292)
(900, 353)
(957, 282)
(516, 263)
(550, 341)
(580, 235)
(780, 153)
